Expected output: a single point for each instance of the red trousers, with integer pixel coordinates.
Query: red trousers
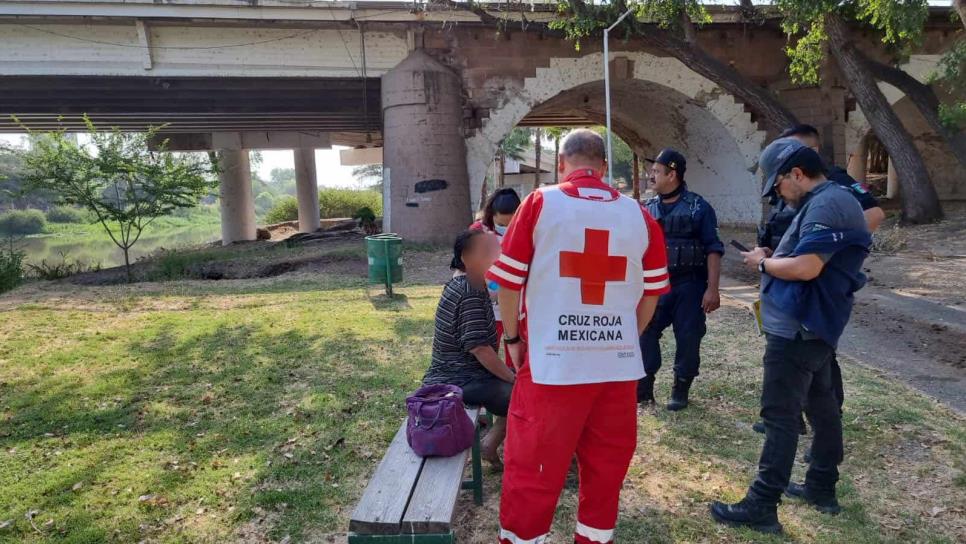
(546, 426)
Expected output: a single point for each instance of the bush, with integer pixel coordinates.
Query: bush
(11, 267)
(59, 270)
(285, 209)
(22, 222)
(346, 202)
(332, 203)
(264, 202)
(66, 214)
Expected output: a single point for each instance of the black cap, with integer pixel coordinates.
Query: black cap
(673, 160)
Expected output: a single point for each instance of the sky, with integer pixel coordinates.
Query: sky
(330, 173)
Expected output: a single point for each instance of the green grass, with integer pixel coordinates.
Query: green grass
(238, 410)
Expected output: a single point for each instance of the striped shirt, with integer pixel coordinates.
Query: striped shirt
(464, 321)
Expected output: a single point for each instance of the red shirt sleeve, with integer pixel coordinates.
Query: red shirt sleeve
(512, 268)
(656, 279)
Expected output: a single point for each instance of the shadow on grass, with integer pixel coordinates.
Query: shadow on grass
(281, 421)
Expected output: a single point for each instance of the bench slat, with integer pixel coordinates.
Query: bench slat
(434, 498)
(383, 503)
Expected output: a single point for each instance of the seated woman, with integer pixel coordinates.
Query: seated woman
(465, 341)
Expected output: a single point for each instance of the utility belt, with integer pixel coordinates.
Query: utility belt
(685, 256)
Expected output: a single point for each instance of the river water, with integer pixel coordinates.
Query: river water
(101, 250)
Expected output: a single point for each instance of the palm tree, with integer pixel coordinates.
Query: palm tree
(556, 134)
(513, 146)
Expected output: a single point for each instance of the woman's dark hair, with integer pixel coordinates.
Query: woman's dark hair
(504, 200)
(463, 243)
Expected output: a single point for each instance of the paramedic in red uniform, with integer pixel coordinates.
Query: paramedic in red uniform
(591, 264)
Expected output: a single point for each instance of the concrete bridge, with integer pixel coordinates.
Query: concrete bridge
(436, 88)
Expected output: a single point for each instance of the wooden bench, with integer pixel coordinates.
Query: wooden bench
(411, 499)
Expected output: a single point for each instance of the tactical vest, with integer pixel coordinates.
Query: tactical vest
(682, 234)
(778, 223)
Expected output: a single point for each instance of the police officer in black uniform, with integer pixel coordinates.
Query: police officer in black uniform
(694, 265)
(781, 217)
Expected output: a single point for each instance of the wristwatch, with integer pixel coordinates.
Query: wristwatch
(510, 341)
(761, 265)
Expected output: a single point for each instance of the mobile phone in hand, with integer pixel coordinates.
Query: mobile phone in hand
(739, 246)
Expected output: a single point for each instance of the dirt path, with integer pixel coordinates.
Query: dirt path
(917, 341)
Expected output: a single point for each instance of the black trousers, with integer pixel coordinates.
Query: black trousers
(491, 393)
(798, 376)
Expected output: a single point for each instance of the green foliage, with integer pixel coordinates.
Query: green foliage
(367, 220)
(11, 266)
(370, 174)
(22, 222)
(332, 203)
(515, 143)
(345, 202)
(118, 178)
(806, 56)
(900, 23)
(264, 202)
(66, 214)
(579, 19)
(951, 76)
(622, 164)
(285, 209)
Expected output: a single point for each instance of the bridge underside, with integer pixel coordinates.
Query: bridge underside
(192, 105)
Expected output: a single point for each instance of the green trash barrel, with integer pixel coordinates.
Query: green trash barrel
(385, 259)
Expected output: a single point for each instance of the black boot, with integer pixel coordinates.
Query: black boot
(759, 427)
(645, 390)
(747, 513)
(824, 504)
(679, 394)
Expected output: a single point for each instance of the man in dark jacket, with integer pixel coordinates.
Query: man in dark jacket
(807, 294)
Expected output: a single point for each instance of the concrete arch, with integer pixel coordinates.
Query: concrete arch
(692, 112)
(944, 170)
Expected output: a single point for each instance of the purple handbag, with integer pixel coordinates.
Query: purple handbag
(438, 425)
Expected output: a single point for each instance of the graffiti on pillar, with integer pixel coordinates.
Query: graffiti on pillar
(430, 185)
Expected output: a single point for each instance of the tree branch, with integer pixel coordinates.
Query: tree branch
(924, 99)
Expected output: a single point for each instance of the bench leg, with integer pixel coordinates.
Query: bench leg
(476, 484)
(446, 538)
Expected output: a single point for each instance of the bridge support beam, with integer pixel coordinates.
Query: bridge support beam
(237, 202)
(307, 189)
(424, 154)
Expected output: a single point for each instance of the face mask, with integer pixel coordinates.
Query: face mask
(500, 229)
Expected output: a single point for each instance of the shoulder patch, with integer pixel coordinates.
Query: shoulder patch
(859, 188)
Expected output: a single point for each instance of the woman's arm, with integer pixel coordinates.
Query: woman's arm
(488, 357)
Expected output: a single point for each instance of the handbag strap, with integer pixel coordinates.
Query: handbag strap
(419, 412)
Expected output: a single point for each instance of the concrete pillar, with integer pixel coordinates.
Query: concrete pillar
(237, 202)
(892, 181)
(307, 190)
(858, 161)
(424, 154)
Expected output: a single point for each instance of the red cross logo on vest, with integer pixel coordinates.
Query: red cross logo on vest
(594, 267)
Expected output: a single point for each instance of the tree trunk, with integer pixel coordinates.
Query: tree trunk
(920, 204)
(925, 100)
(637, 178)
(127, 263)
(771, 113)
(537, 151)
(556, 158)
(960, 6)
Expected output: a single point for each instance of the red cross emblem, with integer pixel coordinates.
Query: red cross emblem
(594, 267)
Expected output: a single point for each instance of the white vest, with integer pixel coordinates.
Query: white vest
(585, 281)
